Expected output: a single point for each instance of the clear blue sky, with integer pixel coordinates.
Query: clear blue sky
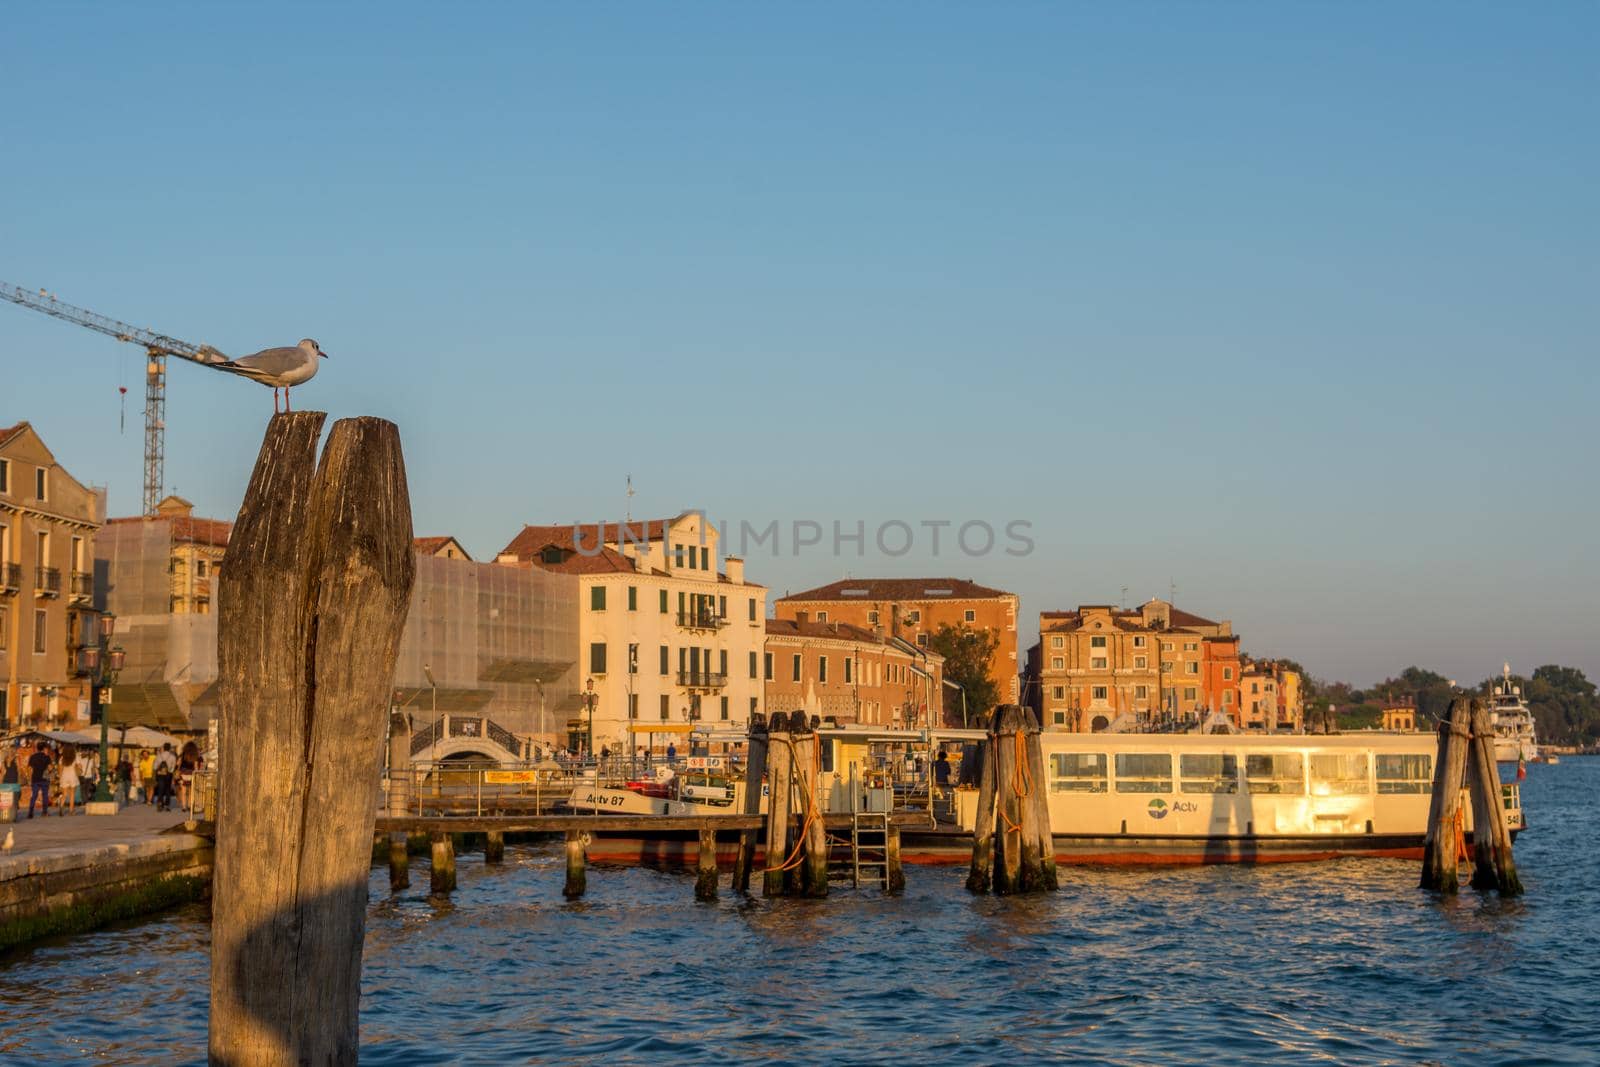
(1291, 304)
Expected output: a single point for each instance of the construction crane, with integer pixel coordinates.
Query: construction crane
(158, 346)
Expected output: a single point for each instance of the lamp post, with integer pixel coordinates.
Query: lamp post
(433, 687)
(99, 663)
(590, 697)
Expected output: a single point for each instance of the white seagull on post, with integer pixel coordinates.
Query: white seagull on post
(278, 367)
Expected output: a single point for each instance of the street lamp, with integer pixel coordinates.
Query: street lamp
(590, 698)
(99, 663)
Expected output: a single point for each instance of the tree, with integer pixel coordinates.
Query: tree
(967, 654)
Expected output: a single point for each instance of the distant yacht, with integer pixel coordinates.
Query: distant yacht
(1513, 723)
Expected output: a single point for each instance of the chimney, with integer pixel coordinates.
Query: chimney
(735, 569)
(802, 617)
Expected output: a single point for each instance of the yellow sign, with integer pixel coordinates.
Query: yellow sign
(510, 777)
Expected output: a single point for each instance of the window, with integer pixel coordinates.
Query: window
(1166, 666)
(5, 476)
(1190, 646)
(872, 618)
(41, 630)
(922, 640)
(1281, 773)
(1204, 773)
(1060, 718)
(848, 670)
(822, 616)
(1097, 663)
(1166, 646)
(41, 484)
(597, 598)
(43, 546)
(597, 657)
(1077, 772)
(755, 707)
(1058, 692)
(722, 608)
(753, 667)
(1058, 642)
(1339, 774)
(1138, 642)
(1189, 692)
(1058, 663)
(752, 609)
(913, 617)
(969, 616)
(666, 707)
(1407, 773)
(633, 598)
(663, 601)
(665, 655)
(1227, 698)
(1191, 668)
(1227, 674)
(1254, 688)
(722, 662)
(822, 668)
(797, 666)
(1098, 692)
(1141, 692)
(1144, 772)
(1141, 662)
(767, 656)
(1097, 642)
(5, 624)
(633, 705)
(200, 568)
(705, 559)
(724, 709)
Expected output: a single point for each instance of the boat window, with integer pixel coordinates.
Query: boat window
(1407, 773)
(1144, 772)
(1208, 773)
(1339, 774)
(1280, 772)
(1077, 772)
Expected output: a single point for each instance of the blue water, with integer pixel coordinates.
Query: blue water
(1343, 962)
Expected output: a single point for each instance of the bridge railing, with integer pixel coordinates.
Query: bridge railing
(457, 787)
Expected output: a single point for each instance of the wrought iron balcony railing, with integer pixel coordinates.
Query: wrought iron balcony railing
(10, 576)
(701, 620)
(702, 679)
(47, 581)
(82, 585)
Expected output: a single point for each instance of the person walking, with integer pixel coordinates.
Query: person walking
(39, 777)
(165, 766)
(88, 775)
(147, 776)
(68, 780)
(124, 778)
(188, 764)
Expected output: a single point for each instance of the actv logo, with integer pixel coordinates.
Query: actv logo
(1158, 808)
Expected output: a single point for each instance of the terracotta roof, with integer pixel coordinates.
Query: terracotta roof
(8, 432)
(835, 631)
(430, 546)
(531, 539)
(899, 589)
(184, 528)
(1185, 618)
(606, 561)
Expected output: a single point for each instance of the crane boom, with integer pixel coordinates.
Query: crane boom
(158, 345)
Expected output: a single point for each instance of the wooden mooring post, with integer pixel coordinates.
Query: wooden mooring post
(1012, 847)
(317, 582)
(442, 870)
(812, 873)
(577, 863)
(494, 847)
(1440, 852)
(399, 796)
(1493, 867)
(755, 770)
(705, 882)
(780, 762)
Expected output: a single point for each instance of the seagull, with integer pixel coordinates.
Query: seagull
(278, 367)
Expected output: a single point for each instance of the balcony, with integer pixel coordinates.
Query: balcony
(10, 577)
(701, 620)
(47, 582)
(82, 587)
(702, 679)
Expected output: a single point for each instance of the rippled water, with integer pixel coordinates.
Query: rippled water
(1344, 962)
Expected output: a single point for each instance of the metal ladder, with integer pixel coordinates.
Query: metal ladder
(869, 848)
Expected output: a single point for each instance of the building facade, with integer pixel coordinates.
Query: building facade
(48, 524)
(852, 675)
(914, 608)
(1101, 665)
(670, 633)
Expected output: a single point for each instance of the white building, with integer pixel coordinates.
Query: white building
(669, 633)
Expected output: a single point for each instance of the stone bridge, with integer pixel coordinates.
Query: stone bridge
(465, 737)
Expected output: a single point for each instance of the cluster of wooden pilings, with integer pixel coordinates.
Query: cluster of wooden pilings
(796, 855)
(1466, 763)
(1012, 847)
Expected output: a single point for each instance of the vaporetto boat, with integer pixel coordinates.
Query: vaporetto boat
(1114, 798)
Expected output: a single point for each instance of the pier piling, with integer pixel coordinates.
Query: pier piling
(981, 876)
(1493, 867)
(494, 847)
(577, 860)
(1440, 856)
(442, 876)
(755, 769)
(1012, 847)
(897, 875)
(705, 883)
(813, 870)
(779, 765)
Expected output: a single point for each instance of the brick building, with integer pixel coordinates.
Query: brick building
(914, 608)
(852, 675)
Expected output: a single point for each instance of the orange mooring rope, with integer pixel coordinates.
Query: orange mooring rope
(1021, 782)
(811, 808)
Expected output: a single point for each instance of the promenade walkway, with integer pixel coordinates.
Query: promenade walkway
(87, 831)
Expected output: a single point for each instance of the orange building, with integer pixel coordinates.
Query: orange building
(1099, 663)
(911, 609)
(851, 674)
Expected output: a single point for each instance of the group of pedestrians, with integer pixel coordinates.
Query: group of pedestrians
(150, 777)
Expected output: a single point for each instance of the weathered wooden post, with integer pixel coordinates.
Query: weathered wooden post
(896, 875)
(1493, 867)
(577, 876)
(813, 869)
(754, 769)
(399, 796)
(1041, 874)
(317, 582)
(442, 872)
(705, 883)
(1440, 858)
(981, 875)
(1009, 792)
(494, 846)
(779, 764)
